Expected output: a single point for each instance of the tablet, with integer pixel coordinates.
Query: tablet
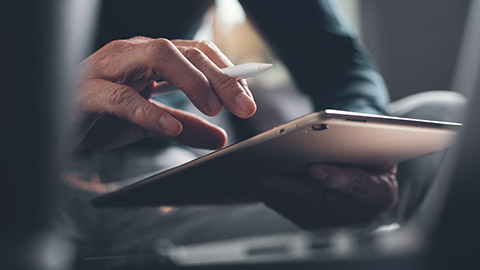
(329, 136)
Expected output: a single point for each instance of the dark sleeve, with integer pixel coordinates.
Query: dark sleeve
(322, 53)
(122, 19)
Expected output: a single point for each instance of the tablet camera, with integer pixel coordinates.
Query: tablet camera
(319, 127)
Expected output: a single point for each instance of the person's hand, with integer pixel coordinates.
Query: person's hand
(117, 81)
(331, 195)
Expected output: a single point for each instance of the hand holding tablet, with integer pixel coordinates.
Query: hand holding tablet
(331, 196)
(333, 137)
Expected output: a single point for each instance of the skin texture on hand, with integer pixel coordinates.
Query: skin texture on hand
(331, 195)
(118, 80)
(113, 96)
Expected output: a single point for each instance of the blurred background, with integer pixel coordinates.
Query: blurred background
(415, 44)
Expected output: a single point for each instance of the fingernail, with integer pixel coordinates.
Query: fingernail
(213, 103)
(319, 172)
(244, 103)
(169, 124)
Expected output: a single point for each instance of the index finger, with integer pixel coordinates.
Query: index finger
(214, 54)
(199, 78)
(231, 94)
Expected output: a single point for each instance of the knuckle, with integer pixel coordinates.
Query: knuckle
(160, 46)
(195, 54)
(115, 45)
(120, 96)
(195, 86)
(136, 39)
(141, 112)
(208, 45)
(200, 85)
(225, 84)
(199, 81)
(104, 62)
